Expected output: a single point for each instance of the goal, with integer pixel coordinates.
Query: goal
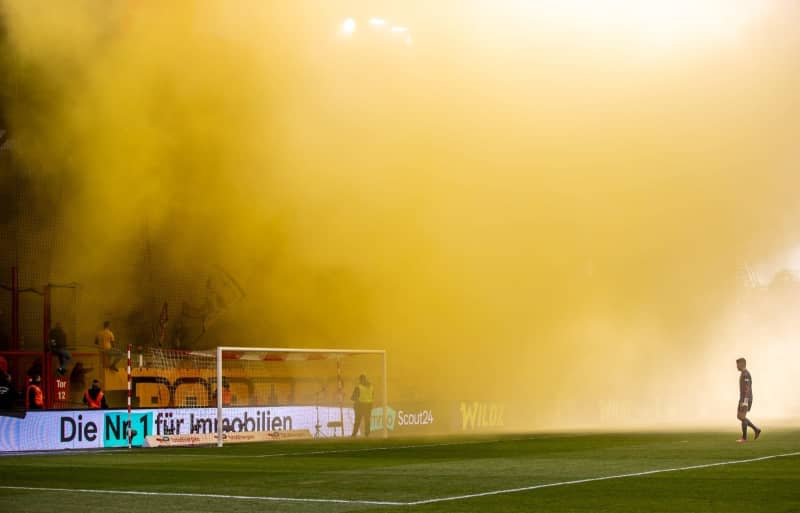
(265, 393)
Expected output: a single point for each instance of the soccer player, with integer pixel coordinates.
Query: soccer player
(745, 400)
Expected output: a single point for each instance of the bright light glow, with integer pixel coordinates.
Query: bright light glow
(377, 22)
(660, 22)
(348, 26)
(409, 41)
(399, 29)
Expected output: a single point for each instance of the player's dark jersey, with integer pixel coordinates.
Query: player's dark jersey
(745, 385)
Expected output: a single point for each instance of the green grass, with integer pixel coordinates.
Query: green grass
(408, 471)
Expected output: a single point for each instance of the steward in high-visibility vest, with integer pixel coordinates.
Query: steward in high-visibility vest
(362, 398)
(94, 397)
(34, 398)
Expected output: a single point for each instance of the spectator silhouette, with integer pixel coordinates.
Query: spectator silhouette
(58, 346)
(105, 339)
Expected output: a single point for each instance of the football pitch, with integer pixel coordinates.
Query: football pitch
(569, 472)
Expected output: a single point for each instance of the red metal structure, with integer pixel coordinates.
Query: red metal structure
(14, 309)
(56, 388)
(58, 392)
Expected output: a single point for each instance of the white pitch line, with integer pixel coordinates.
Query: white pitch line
(363, 449)
(382, 448)
(604, 478)
(63, 452)
(398, 503)
(204, 495)
(100, 452)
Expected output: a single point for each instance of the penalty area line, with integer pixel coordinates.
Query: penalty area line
(204, 495)
(602, 478)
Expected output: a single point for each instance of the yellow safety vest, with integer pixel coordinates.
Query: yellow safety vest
(38, 397)
(365, 393)
(94, 403)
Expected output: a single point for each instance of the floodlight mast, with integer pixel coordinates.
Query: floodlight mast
(221, 349)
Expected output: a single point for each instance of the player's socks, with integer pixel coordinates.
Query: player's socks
(755, 428)
(744, 430)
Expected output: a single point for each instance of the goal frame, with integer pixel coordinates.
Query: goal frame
(222, 349)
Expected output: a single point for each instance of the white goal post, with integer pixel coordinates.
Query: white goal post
(263, 354)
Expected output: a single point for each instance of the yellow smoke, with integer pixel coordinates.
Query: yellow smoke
(517, 210)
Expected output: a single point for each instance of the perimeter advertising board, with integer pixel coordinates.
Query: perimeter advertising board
(440, 417)
(94, 429)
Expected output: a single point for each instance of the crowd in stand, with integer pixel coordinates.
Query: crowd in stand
(33, 394)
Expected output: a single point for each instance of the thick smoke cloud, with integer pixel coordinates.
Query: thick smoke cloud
(540, 216)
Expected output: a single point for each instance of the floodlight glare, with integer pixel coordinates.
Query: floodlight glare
(659, 22)
(377, 22)
(348, 26)
(399, 29)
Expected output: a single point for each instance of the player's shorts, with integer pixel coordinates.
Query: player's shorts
(741, 412)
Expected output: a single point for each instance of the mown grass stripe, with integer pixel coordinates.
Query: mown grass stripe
(398, 503)
(593, 479)
(203, 495)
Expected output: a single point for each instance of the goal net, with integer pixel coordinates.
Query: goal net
(265, 393)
